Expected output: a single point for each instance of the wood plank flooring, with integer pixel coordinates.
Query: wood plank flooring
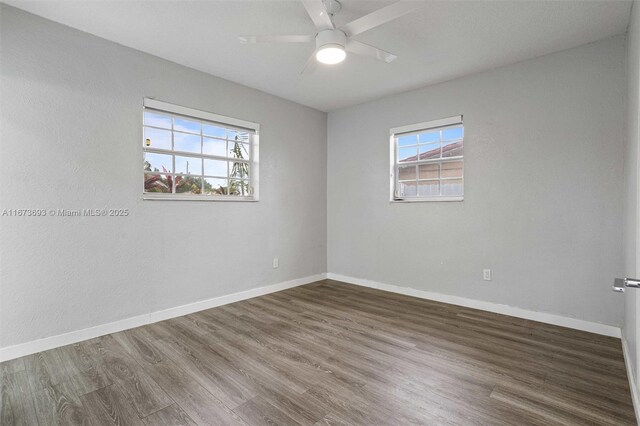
(326, 353)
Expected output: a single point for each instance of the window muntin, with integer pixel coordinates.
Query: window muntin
(428, 161)
(190, 157)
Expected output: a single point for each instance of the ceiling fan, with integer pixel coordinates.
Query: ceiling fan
(332, 43)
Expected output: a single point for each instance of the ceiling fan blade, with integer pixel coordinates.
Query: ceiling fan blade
(311, 65)
(276, 39)
(369, 51)
(381, 16)
(318, 14)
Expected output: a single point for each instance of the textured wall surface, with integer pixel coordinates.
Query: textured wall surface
(543, 149)
(71, 138)
(543, 194)
(631, 155)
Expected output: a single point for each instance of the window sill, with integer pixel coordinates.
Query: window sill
(426, 200)
(177, 197)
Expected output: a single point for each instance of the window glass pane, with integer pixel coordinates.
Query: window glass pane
(218, 132)
(238, 150)
(452, 170)
(215, 186)
(407, 189)
(428, 171)
(452, 149)
(156, 138)
(452, 187)
(184, 168)
(452, 134)
(215, 168)
(157, 120)
(429, 151)
(407, 140)
(238, 187)
(429, 137)
(407, 173)
(157, 162)
(188, 165)
(188, 185)
(185, 125)
(438, 172)
(214, 147)
(157, 183)
(407, 154)
(428, 188)
(186, 143)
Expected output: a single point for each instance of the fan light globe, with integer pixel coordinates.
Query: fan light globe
(331, 54)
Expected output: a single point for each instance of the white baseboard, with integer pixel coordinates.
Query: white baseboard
(16, 351)
(632, 378)
(592, 327)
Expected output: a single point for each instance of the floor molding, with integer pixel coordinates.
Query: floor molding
(631, 375)
(16, 351)
(592, 327)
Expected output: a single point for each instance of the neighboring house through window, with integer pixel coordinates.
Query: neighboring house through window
(427, 161)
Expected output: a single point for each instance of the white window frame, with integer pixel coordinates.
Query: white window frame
(418, 128)
(208, 118)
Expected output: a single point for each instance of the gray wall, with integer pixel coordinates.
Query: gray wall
(71, 138)
(543, 153)
(543, 195)
(631, 154)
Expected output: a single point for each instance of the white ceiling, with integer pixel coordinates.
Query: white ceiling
(441, 41)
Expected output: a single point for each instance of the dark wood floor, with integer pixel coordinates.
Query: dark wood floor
(327, 354)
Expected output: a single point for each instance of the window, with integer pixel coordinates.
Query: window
(427, 161)
(196, 155)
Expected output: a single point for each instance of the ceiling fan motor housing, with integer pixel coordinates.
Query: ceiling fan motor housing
(326, 38)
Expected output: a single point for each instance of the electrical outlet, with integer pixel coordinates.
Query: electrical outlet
(276, 263)
(486, 274)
